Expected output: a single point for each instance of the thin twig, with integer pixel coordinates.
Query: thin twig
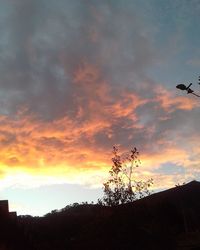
(195, 94)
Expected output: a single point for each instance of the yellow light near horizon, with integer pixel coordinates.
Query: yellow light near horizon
(59, 174)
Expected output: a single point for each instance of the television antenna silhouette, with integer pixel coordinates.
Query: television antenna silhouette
(187, 88)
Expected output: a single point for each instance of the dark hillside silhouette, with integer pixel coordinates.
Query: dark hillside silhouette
(166, 220)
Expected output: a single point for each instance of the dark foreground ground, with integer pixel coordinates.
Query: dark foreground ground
(166, 220)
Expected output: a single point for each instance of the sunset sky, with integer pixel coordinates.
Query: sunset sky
(79, 76)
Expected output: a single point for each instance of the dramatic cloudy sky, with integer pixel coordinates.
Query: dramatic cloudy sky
(79, 76)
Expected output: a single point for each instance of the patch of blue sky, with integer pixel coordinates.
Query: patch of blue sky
(176, 40)
(44, 199)
(170, 169)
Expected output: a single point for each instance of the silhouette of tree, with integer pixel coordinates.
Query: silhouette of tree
(121, 187)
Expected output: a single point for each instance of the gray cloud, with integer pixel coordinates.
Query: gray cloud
(48, 41)
(110, 48)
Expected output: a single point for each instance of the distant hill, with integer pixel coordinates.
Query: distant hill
(166, 220)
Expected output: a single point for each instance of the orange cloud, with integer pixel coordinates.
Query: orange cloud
(66, 148)
(170, 102)
(56, 149)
